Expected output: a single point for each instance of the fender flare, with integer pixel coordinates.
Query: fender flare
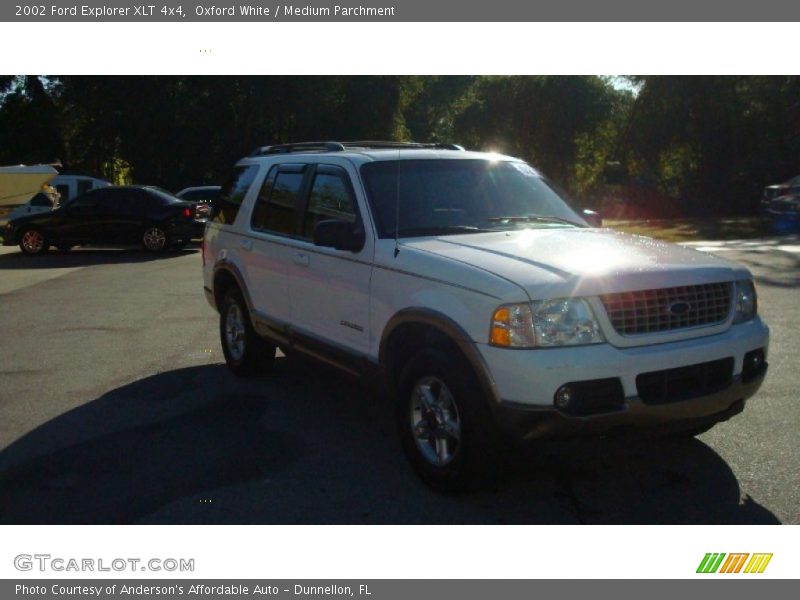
(450, 329)
(231, 269)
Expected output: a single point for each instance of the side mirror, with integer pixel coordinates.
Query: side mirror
(340, 235)
(592, 217)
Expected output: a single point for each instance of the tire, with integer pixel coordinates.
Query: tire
(439, 391)
(246, 353)
(33, 242)
(155, 239)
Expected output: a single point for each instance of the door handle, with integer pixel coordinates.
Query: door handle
(301, 259)
(246, 244)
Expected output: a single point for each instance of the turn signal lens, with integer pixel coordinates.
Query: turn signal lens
(512, 327)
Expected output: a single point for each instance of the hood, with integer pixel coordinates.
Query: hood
(551, 263)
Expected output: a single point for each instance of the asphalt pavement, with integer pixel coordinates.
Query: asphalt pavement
(116, 407)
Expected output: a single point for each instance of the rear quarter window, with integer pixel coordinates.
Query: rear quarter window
(233, 192)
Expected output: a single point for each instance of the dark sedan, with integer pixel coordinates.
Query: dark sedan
(121, 215)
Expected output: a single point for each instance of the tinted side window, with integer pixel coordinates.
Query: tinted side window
(233, 192)
(275, 207)
(129, 202)
(89, 200)
(330, 199)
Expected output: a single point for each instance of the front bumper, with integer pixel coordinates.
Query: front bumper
(526, 423)
(526, 382)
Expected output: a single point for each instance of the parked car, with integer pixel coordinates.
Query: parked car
(41, 202)
(784, 212)
(72, 186)
(112, 215)
(203, 195)
(792, 186)
(489, 307)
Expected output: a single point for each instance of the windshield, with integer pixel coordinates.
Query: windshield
(446, 196)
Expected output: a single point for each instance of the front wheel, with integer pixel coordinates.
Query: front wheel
(154, 239)
(246, 353)
(32, 242)
(444, 423)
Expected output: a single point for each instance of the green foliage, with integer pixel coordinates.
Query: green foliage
(698, 144)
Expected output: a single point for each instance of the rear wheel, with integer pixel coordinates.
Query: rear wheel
(444, 423)
(154, 238)
(33, 242)
(246, 353)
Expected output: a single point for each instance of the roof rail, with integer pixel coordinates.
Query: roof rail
(298, 147)
(380, 145)
(341, 146)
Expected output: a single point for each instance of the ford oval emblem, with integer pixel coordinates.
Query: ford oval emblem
(679, 308)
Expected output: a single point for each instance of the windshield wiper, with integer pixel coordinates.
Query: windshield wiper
(533, 218)
(440, 230)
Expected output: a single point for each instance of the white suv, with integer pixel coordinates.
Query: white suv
(491, 308)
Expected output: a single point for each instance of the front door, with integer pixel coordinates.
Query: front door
(329, 288)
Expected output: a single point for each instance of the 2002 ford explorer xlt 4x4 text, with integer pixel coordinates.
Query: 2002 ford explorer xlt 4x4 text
(491, 308)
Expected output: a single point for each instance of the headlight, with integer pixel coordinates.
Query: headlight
(565, 322)
(547, 323)
(746, 301)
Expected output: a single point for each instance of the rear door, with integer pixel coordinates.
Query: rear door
(328, 288)
(119, 215)
(272, 231)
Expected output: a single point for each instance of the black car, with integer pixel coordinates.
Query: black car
(120, 215)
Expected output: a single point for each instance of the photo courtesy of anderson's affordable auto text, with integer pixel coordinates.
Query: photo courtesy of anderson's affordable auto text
(378, 301)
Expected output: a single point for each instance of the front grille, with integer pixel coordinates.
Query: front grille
(665, 309)
(685, 383)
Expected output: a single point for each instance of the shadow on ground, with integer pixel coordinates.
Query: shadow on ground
(775, 261)
(196, 445)
(691, 229)
(84, 257)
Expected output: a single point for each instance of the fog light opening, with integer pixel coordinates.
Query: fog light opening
(564, 397)
(753, 365)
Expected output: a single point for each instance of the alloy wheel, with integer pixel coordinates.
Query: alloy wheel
(235, 332)
(33, 241)
(435, 423)
(154, 238)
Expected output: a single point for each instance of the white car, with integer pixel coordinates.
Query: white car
(41, 202)
(491, 309)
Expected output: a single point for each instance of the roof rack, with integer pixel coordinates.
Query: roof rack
(342, 146)
(298, 147)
